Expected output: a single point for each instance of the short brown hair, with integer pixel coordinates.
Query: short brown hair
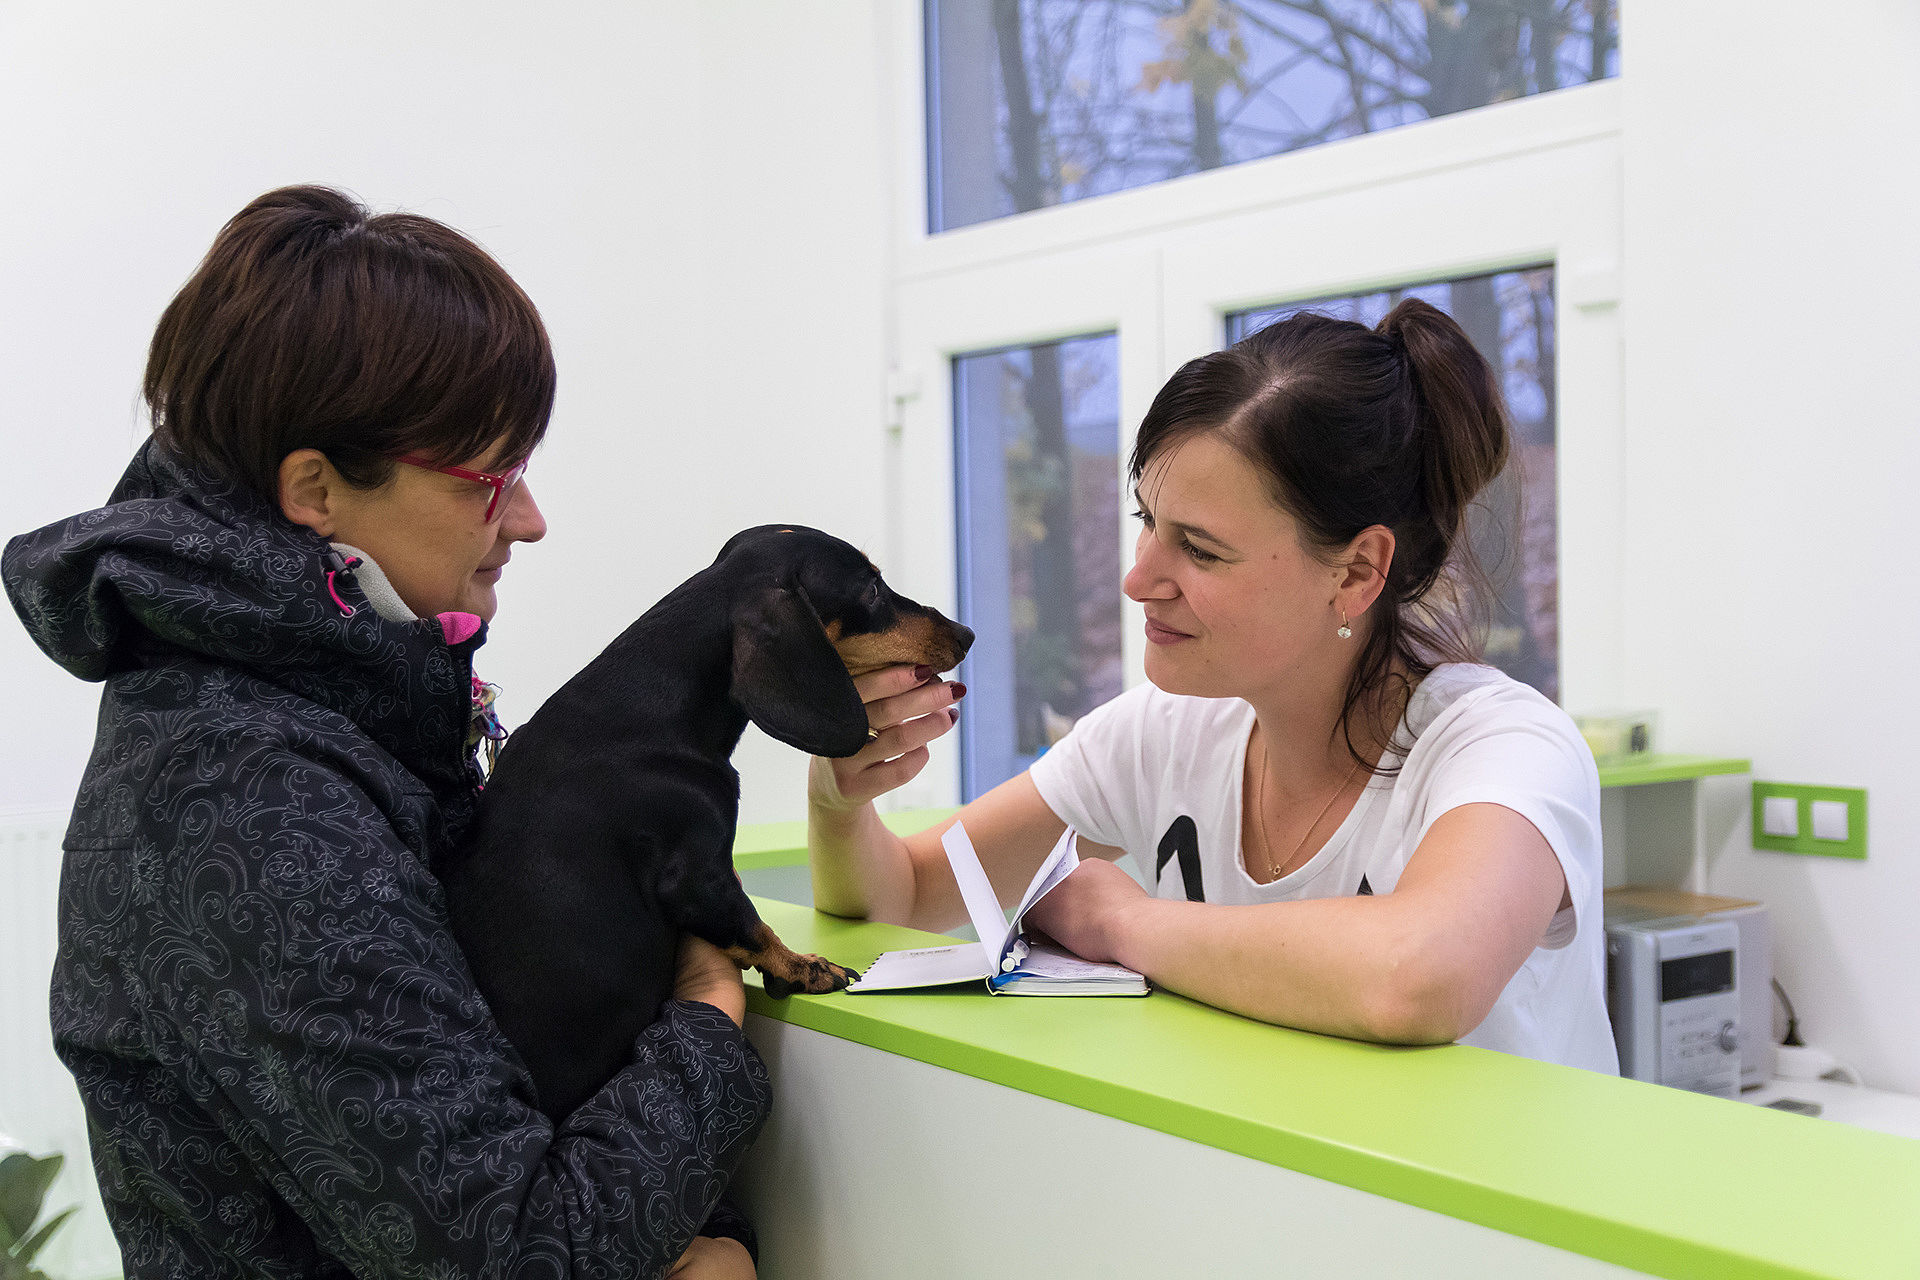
(314, 325)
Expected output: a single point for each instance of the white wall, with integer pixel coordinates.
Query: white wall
(692, 194)
(1772, 457)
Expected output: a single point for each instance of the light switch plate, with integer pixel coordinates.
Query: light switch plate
(1781, 816)
(1839, 810)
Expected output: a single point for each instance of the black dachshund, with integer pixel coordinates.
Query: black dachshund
(606, 828)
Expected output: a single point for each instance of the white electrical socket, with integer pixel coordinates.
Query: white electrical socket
(1830, 819)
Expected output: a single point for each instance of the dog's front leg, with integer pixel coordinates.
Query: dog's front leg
(717, 909)
(785, 971)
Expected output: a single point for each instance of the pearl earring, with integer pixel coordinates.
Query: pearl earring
(1345, 632)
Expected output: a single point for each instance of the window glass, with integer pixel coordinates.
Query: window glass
(1040, 102)
(1512, 526)
(1037, 461)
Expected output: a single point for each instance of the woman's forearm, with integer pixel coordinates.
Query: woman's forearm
(1350, 967)
(861, 869)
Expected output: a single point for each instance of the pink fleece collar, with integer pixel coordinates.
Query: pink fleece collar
(457, 627)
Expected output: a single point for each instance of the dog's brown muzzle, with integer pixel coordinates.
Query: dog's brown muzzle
(926, 639)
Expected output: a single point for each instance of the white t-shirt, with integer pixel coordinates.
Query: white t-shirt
(1159, 775)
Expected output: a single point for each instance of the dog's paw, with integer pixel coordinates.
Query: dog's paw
(811, 975)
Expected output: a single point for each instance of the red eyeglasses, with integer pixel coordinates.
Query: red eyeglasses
(501, 484)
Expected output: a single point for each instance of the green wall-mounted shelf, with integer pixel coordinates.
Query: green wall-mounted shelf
(1669, 768)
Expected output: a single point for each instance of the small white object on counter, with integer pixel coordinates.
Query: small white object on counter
(1877, 1109)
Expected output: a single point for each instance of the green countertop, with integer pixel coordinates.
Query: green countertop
(1667, 1182)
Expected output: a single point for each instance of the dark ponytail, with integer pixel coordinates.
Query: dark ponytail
(1462, 423)
(1401, 426)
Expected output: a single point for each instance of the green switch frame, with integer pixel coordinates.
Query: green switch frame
(1855, 798)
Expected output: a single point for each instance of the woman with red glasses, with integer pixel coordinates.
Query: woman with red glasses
(286, 1065)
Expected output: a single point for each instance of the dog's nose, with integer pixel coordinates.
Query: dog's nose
(963, 638)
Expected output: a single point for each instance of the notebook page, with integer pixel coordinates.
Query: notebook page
(924, 967)
(1046, 960)
(1057, 867)
(983, 909)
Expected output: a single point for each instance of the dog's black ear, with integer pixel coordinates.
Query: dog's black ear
(788, 679)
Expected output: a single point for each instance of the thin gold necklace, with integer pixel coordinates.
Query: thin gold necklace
(1260, 812)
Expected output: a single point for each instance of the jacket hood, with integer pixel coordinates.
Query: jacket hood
(180, 562)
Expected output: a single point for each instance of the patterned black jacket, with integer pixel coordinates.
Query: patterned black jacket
(286, 1066)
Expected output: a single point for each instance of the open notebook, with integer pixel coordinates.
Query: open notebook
(1005, 958)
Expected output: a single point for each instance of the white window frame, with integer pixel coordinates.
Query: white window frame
(1536, 180)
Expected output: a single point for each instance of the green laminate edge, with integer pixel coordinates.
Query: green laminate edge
(1669, 768)
(1666, 1182)
(784, 844)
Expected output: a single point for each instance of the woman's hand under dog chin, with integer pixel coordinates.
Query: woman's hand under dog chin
(1092, 911)
(711, 1258)
(704, 974)
(907, 707)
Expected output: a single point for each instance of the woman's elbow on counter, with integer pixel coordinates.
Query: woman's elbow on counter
(853, 904)
(1422, 1002)
(1410, 1022)
(1415, 1025)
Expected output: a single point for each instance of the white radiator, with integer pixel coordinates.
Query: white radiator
(39, 1108)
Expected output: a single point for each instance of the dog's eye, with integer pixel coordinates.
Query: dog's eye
(872, 596)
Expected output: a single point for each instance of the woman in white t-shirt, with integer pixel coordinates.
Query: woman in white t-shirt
(1346, 824)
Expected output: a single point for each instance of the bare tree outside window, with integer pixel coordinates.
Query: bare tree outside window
(1037, 456)
(1040, 102)
(1034, 103)
(1509, 317)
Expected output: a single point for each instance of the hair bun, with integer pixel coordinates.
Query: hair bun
(1462, 422)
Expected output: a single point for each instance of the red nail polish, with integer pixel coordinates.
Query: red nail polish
(923, 674)
(959, 690)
